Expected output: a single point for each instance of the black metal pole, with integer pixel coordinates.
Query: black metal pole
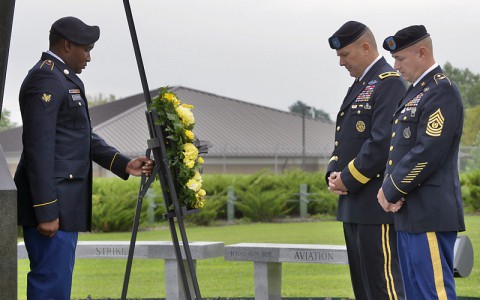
(7, 8)
(138, 54)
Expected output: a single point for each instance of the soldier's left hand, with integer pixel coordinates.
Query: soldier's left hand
(139, 166)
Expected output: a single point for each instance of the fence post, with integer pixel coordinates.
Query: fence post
(230, 204)
(303, 200)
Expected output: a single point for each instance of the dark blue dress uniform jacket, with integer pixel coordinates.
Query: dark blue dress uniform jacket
(422, 166)
(54, 175)
(361, 143)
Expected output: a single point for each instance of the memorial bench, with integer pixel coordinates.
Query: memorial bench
(148, 250)
(268, 258)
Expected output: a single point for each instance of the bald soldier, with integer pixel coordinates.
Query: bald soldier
(357, 165)
(422, 186)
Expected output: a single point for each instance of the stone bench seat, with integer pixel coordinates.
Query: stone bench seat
(147, 250)
(267, 261)
(268, 258)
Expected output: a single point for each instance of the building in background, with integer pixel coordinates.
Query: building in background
(246, 137)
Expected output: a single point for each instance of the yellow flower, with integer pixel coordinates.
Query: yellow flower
(194, 185)
(189, 163)
(197, 176)
(189, 135)
(185, 115)
(200, 160)
(201, 198)
(190, 152)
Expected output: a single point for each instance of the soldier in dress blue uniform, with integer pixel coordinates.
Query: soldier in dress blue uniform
(421, 184)
(54, 175)
(357, 165)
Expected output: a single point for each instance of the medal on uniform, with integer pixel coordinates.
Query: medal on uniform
(360, 126)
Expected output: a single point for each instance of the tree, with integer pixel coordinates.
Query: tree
(299, 107)
(5, 122)
(99, 99)
(468, 84)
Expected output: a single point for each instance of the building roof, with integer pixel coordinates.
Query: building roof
(235, 128)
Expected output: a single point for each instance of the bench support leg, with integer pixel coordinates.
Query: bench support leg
(173, 280)
(268, 280)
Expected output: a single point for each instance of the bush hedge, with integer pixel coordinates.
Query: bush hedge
(259, 197)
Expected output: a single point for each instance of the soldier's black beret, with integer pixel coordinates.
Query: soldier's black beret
(74, 30)
(347, 34)
(405, 38)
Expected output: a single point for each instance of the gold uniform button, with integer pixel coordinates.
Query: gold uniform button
(341, 114)
(338, 128)
(405, 117)
(378, 175)
(391, 148)
(336, 143)
(396, 121)
(359, 112)
(70, 176)
(390, 162)
(393, 134)
(79, 103)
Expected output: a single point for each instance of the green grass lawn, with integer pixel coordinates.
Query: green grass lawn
(103, 278)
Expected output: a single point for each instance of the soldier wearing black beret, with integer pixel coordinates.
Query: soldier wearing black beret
(54, 175)
(422, 186)
(357, 165)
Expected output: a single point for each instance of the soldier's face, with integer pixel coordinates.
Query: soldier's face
(351, 57)
(406, 62)
(78, 57)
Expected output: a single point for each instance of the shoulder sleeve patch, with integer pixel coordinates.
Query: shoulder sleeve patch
(441, 77)
(48, 63)
(388, 74)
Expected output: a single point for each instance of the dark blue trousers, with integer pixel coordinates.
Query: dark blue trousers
(373, 261)
(426, 260)
(51, 264)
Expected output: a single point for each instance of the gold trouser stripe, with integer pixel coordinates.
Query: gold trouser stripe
(113, 159)
(387, 265)
(437, 265)
(46, 203)
(356, 174)
(397, 186)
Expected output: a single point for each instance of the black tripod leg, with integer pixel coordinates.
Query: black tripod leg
(144, 185)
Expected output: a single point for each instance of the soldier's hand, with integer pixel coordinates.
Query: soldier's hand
(139, 166)
(335, 184)
(48, 228)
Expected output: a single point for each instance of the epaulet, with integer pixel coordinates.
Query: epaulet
(388, 74)
(48, 63)
(441, 77)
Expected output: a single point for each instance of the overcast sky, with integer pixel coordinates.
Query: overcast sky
(269, 52)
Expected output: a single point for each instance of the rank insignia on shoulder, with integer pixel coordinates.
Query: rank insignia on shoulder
(440, 77)
(49, 63)
(388, 74)
(435, 124)
(46, 97)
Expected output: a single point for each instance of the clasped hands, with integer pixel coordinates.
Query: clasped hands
(335, 184)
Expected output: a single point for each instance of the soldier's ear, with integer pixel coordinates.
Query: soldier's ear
(365, 47)
(67, 46)
(422, 52)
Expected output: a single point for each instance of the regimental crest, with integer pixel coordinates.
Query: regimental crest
(435, 124)
(46, 97)
(360, 126)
